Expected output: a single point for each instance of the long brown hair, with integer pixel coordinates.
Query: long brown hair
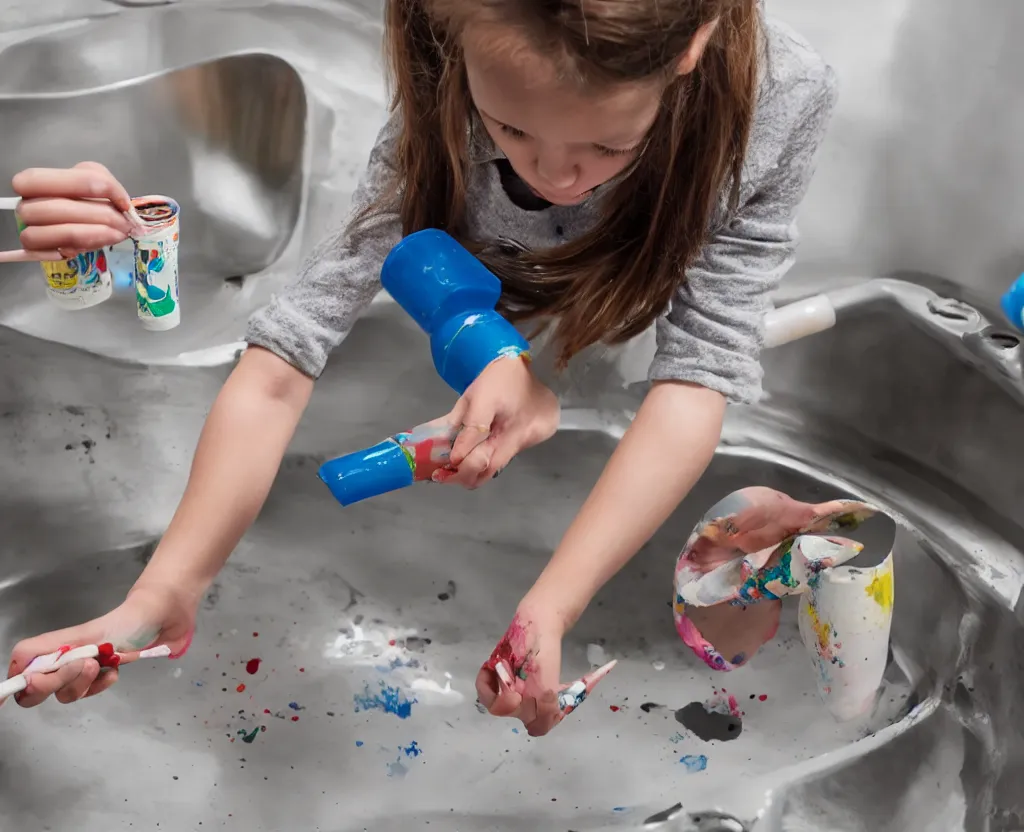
(612, 282)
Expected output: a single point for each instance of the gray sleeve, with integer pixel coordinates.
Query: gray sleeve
(713, 332)
(339, 279)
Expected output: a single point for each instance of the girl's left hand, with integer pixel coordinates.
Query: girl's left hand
(504, 411)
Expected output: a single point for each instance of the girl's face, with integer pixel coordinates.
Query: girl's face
(561, 141)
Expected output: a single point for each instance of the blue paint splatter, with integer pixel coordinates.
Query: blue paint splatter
(197, 683)
(412, 751)
(694, 762)
(390, 700)
(515, 730)
(621, 809)
(295, 706)
(359, 743)
(676, 738)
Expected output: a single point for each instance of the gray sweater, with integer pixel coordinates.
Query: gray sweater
(711, 334)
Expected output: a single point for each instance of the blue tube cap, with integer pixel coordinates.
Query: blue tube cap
(1013, 303)
(367, 473)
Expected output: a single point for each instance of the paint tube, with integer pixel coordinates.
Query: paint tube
(78, 282)
(395, 463)
(845, 622)
(156, 262)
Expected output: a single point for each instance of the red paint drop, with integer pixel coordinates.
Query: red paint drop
(255, 635)
(252, 666)
(266, 710)
(302, 670)
(763, 697)
(217, 656)
(240, 688)
(392, 642)
(295, 719)
(614, 708)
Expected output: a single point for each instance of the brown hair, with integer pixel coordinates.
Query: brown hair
(612, 282)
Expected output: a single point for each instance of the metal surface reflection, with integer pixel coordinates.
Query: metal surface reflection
(273, 108)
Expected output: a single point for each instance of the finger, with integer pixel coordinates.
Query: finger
(79, 686)
(57, 211)
(547, 715)
(87, 180)
(476, 422)
(20, 255)
(498, 698)
(104, 681)
(472, 471)
(503, 450)
(43, 685)
(70, 238)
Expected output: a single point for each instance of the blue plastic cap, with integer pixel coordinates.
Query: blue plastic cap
(467, 343)
(367, 473)
(1013, 303)
(433, 277)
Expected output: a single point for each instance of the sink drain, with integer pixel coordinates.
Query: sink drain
(676, 819)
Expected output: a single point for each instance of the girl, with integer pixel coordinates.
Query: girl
(616, 163)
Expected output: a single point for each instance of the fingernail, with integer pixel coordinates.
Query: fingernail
(497, 474)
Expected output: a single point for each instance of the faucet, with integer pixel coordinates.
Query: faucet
(993, 350)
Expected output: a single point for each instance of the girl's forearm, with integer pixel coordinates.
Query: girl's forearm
(658, 461)
(239, 453)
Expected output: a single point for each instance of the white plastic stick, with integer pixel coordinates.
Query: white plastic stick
(9, 203)
(51, 662)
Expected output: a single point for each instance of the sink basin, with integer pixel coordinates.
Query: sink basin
(404, 596)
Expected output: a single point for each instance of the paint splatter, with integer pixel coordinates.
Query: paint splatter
(763, 697)
(647, 707)
(512, 650)
(709, 725)
(241, 687)
(824, 633)
(881, 589)
(397, 769)
(255, 635)
(252, 666)
(676, 738)
(359, 743)
(248, 738)
(295, 706)
(295, 719)
(390, 700)
(412, 750)
(614, 708)
(694, 762)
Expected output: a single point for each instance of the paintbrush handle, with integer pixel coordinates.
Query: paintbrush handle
(51, 662)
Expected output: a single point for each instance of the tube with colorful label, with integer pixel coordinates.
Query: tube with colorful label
(452, 296)
(156, 262)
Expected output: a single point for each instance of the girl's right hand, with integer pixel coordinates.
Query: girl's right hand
(71, 210)
(151, 614)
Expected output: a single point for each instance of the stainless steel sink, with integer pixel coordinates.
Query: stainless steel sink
(99, 419)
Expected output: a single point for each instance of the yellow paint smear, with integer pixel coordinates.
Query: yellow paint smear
(822, 629)
(881, 588)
